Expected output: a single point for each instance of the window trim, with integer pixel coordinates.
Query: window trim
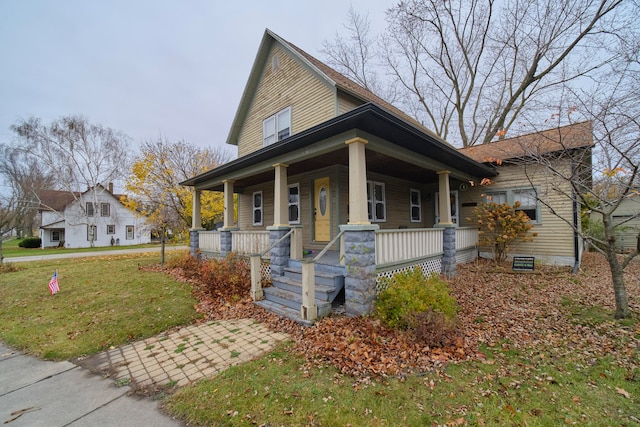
(102, 209)
(53, 233)
(93, 228)
(113, 229)
(289, 203)
(133, 232)
(412, 205)
(372, 203)
(510, 199)
(89, 209)
(276, 130)
(255, 208)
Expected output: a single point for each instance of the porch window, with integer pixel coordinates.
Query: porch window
(92, 233)
(499, 197)
(294, 204)
(105, 209)
(130, 232)
(111, 229)
(257, 208)
(453, 197)
(55, 235)
(276, 127)
(89, 209)
(376, 201)
(415, 205)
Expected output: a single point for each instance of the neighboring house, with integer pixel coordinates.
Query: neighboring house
(326, 164)
(93, 218)
(626, 219)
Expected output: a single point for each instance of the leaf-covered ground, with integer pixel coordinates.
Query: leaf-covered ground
(549, 310)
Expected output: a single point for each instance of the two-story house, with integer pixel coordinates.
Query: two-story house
(326, 165)
(95, 217)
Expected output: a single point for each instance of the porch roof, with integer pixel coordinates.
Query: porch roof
(369, 118)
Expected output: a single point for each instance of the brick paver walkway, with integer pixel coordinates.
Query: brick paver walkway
(188, 354)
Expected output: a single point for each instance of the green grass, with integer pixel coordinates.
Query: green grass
(103, 301)
(510, 387)
(10, 249)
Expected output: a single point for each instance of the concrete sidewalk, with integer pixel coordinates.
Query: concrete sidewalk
(92, 254)
(96, 391)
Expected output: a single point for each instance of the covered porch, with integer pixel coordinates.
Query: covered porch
(367, 187)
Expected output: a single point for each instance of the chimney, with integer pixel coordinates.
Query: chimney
(111, 187)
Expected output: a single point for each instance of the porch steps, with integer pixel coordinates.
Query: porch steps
(284, 297)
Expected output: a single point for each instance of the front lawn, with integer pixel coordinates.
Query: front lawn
(103, 301)
(10, 249)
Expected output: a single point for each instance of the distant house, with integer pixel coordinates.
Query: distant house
(626, 220)
(326, 165)
(96, 217)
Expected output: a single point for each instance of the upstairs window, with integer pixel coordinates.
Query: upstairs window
(89, 208)
(376, 201)
(276, 127)
(105, 209)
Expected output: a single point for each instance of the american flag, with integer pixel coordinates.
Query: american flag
(54, 286)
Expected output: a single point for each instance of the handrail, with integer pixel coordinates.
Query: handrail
(275, 243)
(326, 248)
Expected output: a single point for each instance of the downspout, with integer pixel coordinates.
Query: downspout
(576, 235)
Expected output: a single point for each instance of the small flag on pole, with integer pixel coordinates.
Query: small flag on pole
(54, 286)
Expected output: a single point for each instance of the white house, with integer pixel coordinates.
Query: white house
(96, 217)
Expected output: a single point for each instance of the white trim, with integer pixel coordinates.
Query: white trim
(373, 203)
(255, 208)
(290, 203)
(276, 127)
(417, 205)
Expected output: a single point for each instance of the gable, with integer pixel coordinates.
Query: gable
(285, 82)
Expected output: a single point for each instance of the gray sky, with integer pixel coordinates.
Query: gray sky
(149, 67)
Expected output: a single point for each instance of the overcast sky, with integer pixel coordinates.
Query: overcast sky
(149, 68)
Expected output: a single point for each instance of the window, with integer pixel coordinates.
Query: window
(92, 233)
(415, 205)
(257, 208)
(55, 235)
(89, 209)
(528, 202)
(376, 201)
(276, 127)
(111, 229)
(130, 232)
(105, 209)
(294, 204)
(453, 197)
(526, 196)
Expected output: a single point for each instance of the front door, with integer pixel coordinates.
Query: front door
(322, 210)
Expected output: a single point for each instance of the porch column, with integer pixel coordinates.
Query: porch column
(358, 210)
(444, 198)
(280, 196)
(196, 225)
(448, 263)
(228, 204)
(360, 268)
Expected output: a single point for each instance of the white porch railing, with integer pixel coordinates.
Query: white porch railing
(209, 241)
(466, 237)
(393, 246)
(249, 242)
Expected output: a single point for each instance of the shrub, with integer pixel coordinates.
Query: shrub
(409, 295)
(30, 242)
(432, 328)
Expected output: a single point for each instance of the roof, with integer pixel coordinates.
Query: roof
(56, 200)
(573, 136)
(370, 118)
(323, 71)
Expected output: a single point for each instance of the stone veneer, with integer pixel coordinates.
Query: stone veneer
(449, 249)
(279, 253)
(225, 242)
(360, 265)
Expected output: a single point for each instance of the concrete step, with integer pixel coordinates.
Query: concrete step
(323, 292)
(331, 279)
(293, 300)
(283, 311)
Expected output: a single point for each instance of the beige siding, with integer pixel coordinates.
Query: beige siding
(289, 85)
(628, 213)
(555, 238)
(347, 103)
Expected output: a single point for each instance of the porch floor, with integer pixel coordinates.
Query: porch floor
(329, 257)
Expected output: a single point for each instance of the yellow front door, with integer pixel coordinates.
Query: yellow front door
(322, 210)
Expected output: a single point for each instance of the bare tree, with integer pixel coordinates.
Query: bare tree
(8, 214)
(470, 70)
(80, 155)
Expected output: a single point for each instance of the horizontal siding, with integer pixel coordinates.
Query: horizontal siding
(290, 85)
(347, 103)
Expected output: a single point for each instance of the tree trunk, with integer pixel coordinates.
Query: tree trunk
(617, 277)
(163, 233)
(1, 257)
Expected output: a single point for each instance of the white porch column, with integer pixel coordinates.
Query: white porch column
(196, 215)
(358, 210)
(228, 204)
(444, 198)
(280, 196)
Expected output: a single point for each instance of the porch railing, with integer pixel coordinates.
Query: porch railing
(395, 246)
(466, 237)
(209, 241)
(249, 242)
